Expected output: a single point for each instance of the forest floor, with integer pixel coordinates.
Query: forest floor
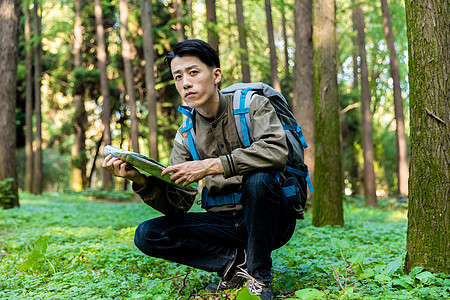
(68, 246)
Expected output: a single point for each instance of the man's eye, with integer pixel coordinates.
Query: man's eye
(193, 72)
(177, 77)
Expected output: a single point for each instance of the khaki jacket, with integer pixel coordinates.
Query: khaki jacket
(219, 138)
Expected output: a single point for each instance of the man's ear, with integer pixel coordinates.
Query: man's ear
(217, 75)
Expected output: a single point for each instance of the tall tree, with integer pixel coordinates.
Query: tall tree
(274, 79)
(38, 177)
(303, 100)
(79, 160)
(402, 151)
(367, 139)
(146, 20)
(285, 40)
(243, 48)
(102, 64)
(428, 239)
(191, 20)
(28, 102)
(178, 6)
(211, 24)
(327, 199)
(129, 77)
(9, 31)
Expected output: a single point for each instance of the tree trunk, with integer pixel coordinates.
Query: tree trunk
(367, 140)
(211, 24)
(129, 77)
(428, 239)
(243, 42)
(303, 100)
(402, 151)
(178, 5)
(38, 177)
(285, 40)
(28, 103)
(146, 19)
(191, 21)
(102, 63)
(79, 160)
(355, 52)
(274, 80)
(9, 32)
(327, 200)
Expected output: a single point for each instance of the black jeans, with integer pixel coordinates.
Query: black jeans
(209, 240)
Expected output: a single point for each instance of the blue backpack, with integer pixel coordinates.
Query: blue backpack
(296, 176)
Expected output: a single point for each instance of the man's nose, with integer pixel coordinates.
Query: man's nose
(187, 83)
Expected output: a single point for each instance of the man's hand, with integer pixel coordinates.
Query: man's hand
(120, 168)
(192, 171)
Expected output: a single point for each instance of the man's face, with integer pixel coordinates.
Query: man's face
(195, 81)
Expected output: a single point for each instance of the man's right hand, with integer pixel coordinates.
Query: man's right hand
(120, 168)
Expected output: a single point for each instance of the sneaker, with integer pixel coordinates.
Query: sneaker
(264, 291)
(255, 287)
(231, 279)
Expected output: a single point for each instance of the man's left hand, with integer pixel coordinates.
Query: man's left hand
(192, 171)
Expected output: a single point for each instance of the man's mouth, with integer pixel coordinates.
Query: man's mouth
(189, 94)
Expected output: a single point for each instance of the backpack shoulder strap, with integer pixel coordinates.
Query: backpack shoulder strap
(188, 131)
(241, 109)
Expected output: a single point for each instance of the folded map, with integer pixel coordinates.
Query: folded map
(145, 165)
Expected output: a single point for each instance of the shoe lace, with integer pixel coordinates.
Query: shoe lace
(254, 286)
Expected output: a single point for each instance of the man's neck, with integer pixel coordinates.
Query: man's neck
(209, 110)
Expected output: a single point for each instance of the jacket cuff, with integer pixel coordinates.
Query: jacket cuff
(229, 166)
(139, 189)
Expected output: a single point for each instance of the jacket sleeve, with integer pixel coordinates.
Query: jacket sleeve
(163, 196)
(269, 149)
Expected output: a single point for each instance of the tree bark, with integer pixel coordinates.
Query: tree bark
(178, 5)
(428, 238)
(146, 19)
(102, 64)
(402, 151)
(211, 24)
(285, 40)
(79, 160)
(9, 32)
(28, 103)
(245, 66)
(129, 77)
(327, 199)
(274, 80)
(367, 140)
(38, 177)
(191, 20)
(303, 100)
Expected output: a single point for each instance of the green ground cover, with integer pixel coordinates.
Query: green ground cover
(66, 246)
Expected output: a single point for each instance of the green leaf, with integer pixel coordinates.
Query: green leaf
(40, 245)
(244, 294)
(36, 255)
(416, 271)
(357, 258)
(446, 282)
(309, 294)
(382, 278)
(343, 243)
(392, 267)
(401, 283)
(367, 274)
(426, 277)
(26, 265)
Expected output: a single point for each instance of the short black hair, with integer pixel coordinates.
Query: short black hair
(197, 48)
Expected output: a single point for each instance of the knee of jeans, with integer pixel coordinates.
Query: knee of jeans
(139, 236)
(260, 181)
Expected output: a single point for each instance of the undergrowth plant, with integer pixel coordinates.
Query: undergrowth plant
(68, 246)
